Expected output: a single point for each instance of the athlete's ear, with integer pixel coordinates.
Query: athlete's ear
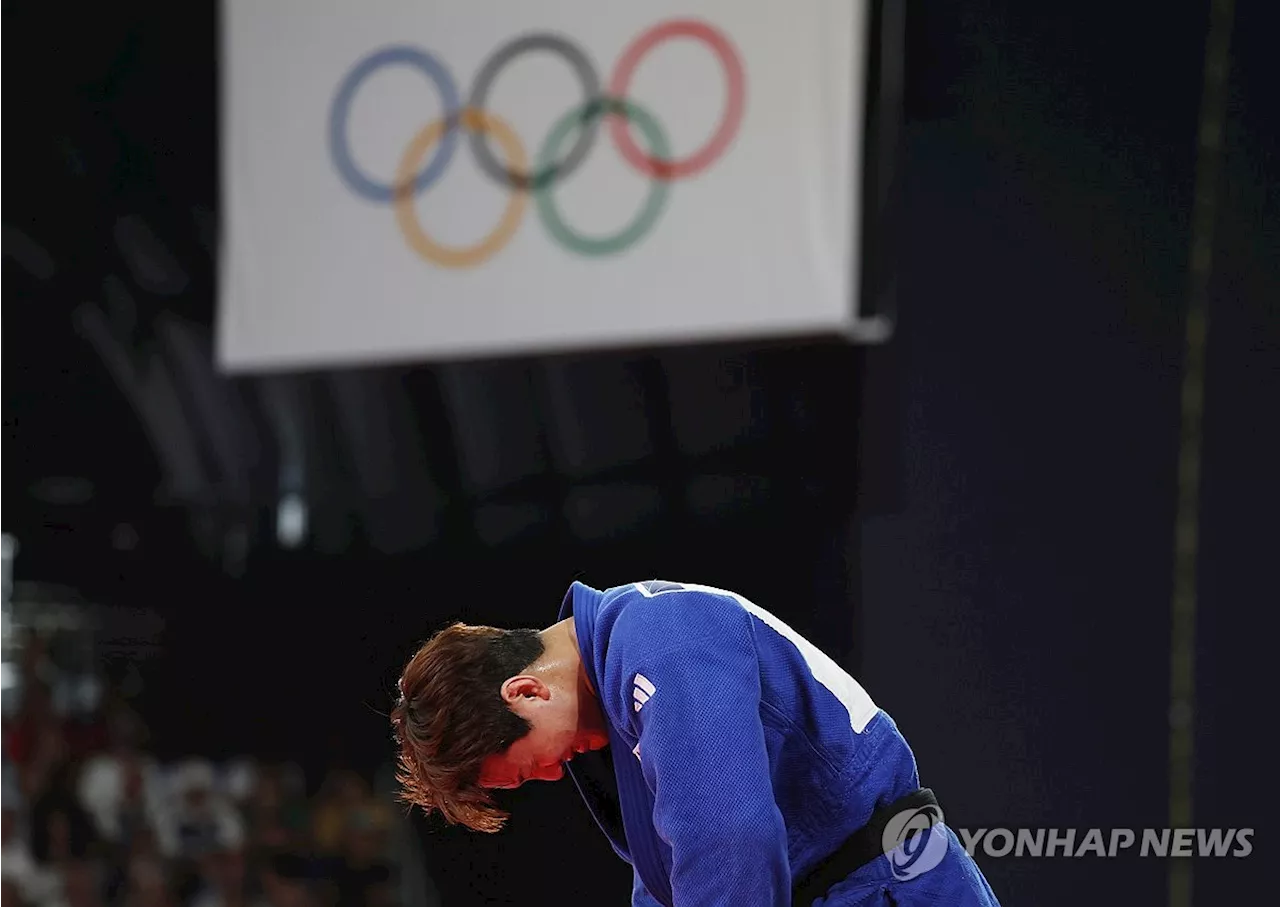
(524, 687)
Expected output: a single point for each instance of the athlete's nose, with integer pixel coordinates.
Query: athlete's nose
(553, 772)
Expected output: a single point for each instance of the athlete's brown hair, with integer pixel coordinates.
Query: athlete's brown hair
(451, 716)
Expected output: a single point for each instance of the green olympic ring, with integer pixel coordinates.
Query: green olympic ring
(596, 246)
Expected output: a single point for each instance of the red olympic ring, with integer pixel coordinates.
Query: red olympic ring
(626, 67)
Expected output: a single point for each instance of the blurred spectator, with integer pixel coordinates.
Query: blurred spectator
(92, 820)
(16, 862)
(124, 792)
(199, 819)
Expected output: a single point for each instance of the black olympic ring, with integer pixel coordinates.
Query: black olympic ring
(488, 74)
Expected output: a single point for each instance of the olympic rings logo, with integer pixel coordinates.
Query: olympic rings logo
(430, 151)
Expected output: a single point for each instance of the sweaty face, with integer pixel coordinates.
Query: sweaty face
(554, 738)
(528, 759)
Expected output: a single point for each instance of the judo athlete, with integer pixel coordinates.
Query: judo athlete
(727, 759)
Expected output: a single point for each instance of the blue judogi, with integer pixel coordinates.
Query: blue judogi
(742, 755)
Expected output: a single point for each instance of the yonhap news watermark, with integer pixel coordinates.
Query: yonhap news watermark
(1107, 842)
(917, 839)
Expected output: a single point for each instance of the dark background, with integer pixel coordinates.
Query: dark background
(976, 519)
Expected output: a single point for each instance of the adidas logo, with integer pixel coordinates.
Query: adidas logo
(643, 690)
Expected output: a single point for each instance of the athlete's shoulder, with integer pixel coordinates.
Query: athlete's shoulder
(669, 591)
(665, 612)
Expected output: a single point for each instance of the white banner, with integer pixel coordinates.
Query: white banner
(405, 180)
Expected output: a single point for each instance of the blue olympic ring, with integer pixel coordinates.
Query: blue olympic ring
(341, 151)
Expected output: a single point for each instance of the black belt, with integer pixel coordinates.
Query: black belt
(859, 849)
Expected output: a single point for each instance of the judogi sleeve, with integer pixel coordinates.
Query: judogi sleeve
(702, 751)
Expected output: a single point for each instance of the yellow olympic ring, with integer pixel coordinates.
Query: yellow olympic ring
(468, 257)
